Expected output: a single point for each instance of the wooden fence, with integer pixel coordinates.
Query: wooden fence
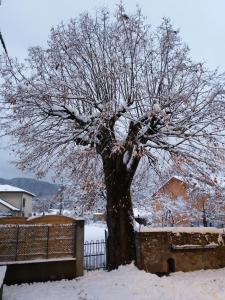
(28, 242)
(39, 238)
(41, 249)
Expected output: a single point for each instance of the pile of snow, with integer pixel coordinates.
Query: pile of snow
(2, 274)
(126, 283)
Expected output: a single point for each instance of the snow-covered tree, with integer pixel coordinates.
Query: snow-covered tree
(207, 205)
(167, 211)
(113, 87)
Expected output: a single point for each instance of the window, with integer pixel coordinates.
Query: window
(24, 202)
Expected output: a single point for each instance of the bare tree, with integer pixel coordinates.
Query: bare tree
(208, 204)
(112, 87)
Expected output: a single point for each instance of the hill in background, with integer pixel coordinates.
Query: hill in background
(42, 189)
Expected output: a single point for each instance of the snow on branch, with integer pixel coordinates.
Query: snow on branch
(106, 81)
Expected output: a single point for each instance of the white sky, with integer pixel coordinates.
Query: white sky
(27, 23)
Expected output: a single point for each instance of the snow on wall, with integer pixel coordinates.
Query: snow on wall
(184, 229)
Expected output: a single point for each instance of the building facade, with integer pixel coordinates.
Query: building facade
(175, 203)
(15, 201)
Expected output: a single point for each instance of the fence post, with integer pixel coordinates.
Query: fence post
(106, 249)
(17, 240)
(79, 247)
(47, 246)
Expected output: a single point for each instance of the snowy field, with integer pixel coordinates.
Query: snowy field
(94, 231)
(127, 283)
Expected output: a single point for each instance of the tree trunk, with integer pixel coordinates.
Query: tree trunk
(120, 243)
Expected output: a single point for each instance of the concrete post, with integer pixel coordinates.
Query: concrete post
(79, 247)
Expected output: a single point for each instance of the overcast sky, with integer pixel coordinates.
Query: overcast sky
(26, 23)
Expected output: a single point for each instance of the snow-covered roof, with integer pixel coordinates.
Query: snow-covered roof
(177, 177)
(11, 207)
(13, 189)
(165, 183)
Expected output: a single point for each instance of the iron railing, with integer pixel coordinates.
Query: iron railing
(95, 255)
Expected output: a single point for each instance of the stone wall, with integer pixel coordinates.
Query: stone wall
(163, 252)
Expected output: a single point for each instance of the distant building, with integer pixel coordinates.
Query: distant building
(172, 204)
(15, 201)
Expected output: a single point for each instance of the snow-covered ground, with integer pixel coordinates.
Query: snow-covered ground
(2, 274)
(126, 283)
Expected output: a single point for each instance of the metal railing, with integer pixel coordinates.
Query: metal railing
(95, 255)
